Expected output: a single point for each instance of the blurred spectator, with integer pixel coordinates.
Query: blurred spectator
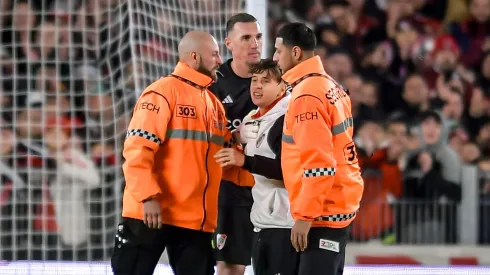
(470, 153)
(370, 94)
(483, 137)
(309, 10)
(415, 96)
(369, 136)
(383, 183)
(29, 120)
(445, 55)
(453, 108)
(104, 111)
(75, 175)
(339, 64)
(329, 35)
(458, 139)
(472, 34)
(484, 75)
(19, 41)
(13, 195)
(432, 175)
(47, 78)
(479, 110)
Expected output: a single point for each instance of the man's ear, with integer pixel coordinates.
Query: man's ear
(228, 43)
(195, 58)
(296, 53)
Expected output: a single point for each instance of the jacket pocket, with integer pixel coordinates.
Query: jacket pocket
(280, 206)
(262, 210)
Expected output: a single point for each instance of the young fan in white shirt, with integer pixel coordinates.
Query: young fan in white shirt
(261, 134)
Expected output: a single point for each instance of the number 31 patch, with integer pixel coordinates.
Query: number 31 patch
(350, 153)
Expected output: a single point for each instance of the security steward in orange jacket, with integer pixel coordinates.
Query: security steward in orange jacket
(319, 161)
(172, 179)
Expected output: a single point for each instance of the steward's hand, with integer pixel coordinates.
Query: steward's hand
(152, 214)
(299, 235)
(230, 156)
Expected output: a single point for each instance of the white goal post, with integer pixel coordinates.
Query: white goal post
(71, 71)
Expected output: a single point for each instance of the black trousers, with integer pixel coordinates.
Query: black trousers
(138, 249)
(234, 235)
(325, 253)
(274, 254)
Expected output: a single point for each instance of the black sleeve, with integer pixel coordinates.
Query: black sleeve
(264, 166)
(440, 186)
(214, 88)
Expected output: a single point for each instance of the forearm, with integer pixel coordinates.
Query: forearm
(264, 166)
(141, 182)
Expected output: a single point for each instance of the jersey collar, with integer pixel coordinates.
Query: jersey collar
(260, 113)
(226, 70)
(310, 65)
(186, 72)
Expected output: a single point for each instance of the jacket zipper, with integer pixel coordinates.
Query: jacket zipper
(206, 161)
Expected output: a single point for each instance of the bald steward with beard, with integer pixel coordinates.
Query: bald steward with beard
(170, 199)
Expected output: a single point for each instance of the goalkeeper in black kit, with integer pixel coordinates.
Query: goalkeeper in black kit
(234, 235)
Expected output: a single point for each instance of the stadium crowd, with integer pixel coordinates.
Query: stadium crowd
(418, 72)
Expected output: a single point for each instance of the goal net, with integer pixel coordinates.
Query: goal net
(71, 72)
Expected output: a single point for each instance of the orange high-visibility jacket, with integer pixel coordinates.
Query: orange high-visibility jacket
(239, 176)
(176, 128)
(319, 161)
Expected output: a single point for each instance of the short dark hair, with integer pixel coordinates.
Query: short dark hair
(269, 66)
(431, 115)
(413, 75)
(298, 34)
(336, 3)
(239, 18)
(397, 118)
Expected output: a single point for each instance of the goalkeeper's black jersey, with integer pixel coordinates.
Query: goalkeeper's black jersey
(234, 93)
